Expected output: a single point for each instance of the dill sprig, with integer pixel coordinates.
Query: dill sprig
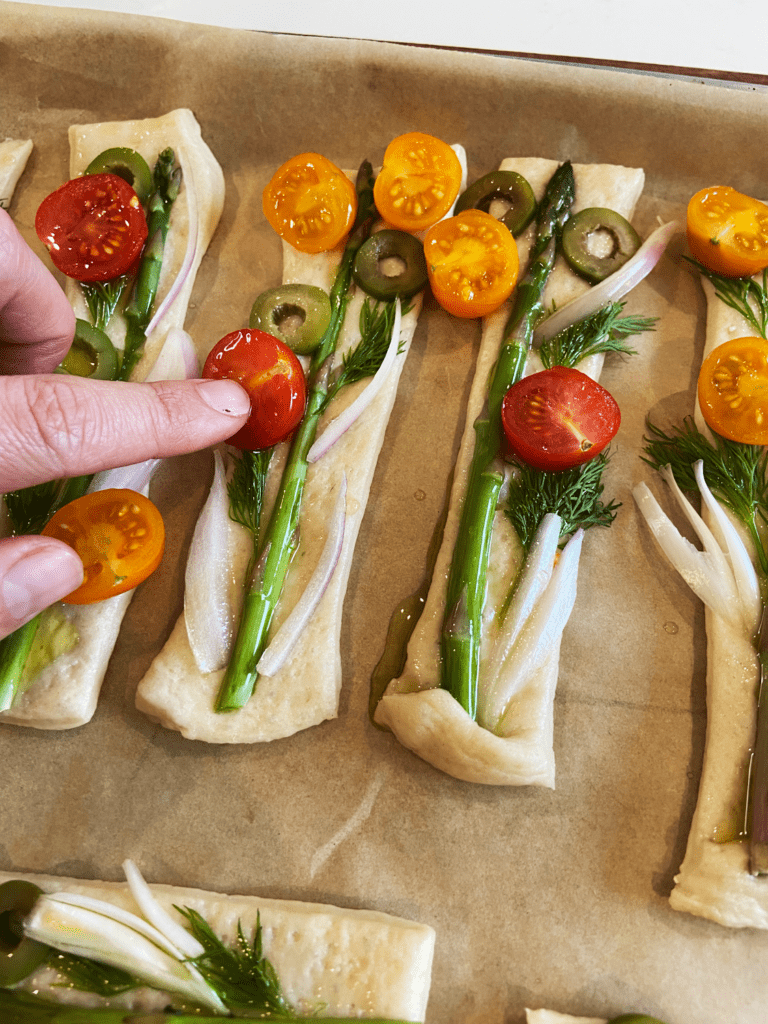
(744, 294)
(102, 298)
(90, 976)
(736, 473)
(602, 331)
(30, 509)
(573, 494)
(366, 357)
(242, 977)
(246, 489)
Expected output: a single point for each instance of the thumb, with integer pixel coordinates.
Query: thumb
(34, 573)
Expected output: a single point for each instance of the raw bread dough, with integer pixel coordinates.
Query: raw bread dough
(14, 154)
(350, 963)
(429, 721)
(64, 694)
(714, 879)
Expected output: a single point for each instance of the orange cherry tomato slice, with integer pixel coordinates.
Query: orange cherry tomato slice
(558, 418)
(472, 263)
(93, 227)
(733, 390)
(728, 231)
(274, 378)
(310, 203)
(418, 183)
(119, 535)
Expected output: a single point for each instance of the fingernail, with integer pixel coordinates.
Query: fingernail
(225, 396)
(38, 579)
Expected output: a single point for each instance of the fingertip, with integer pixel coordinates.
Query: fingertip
(35, 572)
(224, 396)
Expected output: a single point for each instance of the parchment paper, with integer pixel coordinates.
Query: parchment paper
(539, 898)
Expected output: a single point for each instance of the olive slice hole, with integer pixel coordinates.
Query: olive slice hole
(11, 930)
(392, 266)
(498, 207)
(602, 243)
(289, 319)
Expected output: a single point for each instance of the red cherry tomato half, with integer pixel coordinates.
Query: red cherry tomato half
(273, 377)
(93, 227)
(558, 418)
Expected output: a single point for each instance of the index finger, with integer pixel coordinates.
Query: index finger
(36, 321)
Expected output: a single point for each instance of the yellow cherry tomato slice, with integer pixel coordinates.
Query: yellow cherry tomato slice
(728, 231)
(310, 203)
(733, 390)
(472, 263)
(119, 535)
(418, 183)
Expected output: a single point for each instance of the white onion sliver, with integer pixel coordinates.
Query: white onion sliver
(131, 478)
(708, 575)
(534, 578)
(355, 409)
(538, 638)
(157, 915)
(177, 359)
(614, 287)
(191, 250)
(276, 654)
(208, 612)
(461, 153)
(744, 574)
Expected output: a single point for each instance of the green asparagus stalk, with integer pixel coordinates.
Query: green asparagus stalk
(460, 642)
(281, 535)
(138, 312)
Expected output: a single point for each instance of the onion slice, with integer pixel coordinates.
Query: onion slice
(157, 915)
(177, 359)
(276, 654)
(193, 232)
(130, 478)
(355, 409)
(538, 638)
(208, 612)
(614, 287)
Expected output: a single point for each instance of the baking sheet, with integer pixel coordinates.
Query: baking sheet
(539, 898)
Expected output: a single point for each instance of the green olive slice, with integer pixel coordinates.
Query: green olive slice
(635, 1018)
(296, 314)
(506, 195)
(19, 956)
(596, 242)
(390, 265)
(92, 354)
(129, 165)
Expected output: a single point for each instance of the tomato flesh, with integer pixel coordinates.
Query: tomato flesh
(558, 418)
(273, 377)
(472, 263)
(119, 535)
(418, 183)
(728, 231)
(93, 227)
(310, 203)
(733, 390)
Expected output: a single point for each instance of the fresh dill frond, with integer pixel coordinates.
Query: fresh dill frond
(736, 473)
(90, 976)
(246, 489)
(242, 977)
(573, 494)
(376, 323)
(102, 298)
(744, 294)
(602, 331)
(30, 509)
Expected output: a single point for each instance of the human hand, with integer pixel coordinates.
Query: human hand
(53, 425)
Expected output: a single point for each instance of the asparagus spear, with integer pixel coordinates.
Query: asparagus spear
(281, 535)
(460, 642)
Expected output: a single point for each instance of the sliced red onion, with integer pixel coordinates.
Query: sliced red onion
(534, 579)
(189, 255)
(614, 287)
(177, 359)
(276, 654)
(158, 916)
(536, 641)
(706, 572)
(743, 570)
(130, 478)
(461, 153)
(355, 409)
(207, 608)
